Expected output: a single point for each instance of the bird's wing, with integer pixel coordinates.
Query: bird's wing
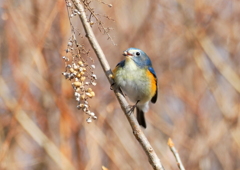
(120, 64)
(154, 98)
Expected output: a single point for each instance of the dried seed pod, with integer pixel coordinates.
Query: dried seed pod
(78, 107)
(92, 93)
(81, 63)
(71, 70)
(89, 89)
(92, 114)
(83, 78)
(89, 120)
(83, 97)
(70, 43)
(76, 94)
(66, 75)
(67, 50)
(94, 83)
(75, 67)
(89, 95)
(65, 58)
(77, 83)
(94, 76)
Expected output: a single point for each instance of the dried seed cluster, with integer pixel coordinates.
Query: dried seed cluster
(77, 67)
(82, 75)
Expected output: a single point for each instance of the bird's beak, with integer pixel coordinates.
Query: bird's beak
(126, 53)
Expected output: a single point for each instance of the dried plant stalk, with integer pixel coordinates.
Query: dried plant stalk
(153, 158)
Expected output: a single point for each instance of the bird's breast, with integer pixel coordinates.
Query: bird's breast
(135, 82)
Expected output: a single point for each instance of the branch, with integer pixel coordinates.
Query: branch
(153, 159)
(175, 153)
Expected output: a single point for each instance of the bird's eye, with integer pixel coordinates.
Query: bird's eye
(137, 53)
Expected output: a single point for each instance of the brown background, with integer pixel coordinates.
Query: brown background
(195, 50)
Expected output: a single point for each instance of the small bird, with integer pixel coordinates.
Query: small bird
(137, 79)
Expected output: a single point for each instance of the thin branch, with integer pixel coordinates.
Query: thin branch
(153, 158)
(175, 153)
(92, 13)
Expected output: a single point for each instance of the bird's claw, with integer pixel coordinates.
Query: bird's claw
(131, 108)
(113, 86)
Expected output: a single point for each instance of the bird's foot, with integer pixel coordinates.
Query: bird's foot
(113, 86)
(131, 108)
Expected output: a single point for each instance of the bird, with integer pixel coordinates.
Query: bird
(137, 79)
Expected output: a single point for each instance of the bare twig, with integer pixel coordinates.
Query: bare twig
(101, 27)
(153, 158)
(175, 153)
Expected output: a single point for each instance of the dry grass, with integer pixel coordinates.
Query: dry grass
(194, 46)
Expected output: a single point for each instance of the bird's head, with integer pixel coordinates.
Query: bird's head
(138, 56)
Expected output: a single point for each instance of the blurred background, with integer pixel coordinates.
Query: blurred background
(195, 50)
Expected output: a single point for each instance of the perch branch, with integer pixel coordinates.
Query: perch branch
(153, 158)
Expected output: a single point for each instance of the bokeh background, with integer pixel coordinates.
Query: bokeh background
(195, 50)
